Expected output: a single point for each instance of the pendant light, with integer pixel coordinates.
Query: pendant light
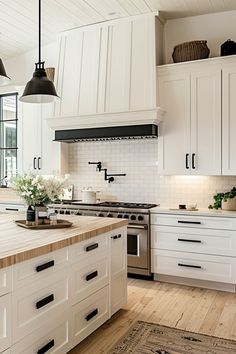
(39, 89)
(4, 79)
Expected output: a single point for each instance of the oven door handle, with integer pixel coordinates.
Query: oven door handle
(142, 227)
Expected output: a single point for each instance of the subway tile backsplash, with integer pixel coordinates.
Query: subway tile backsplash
(139, 160)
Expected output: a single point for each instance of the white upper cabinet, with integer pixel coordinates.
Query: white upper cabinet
(108, 67)
(38, 152)
(228, 119)
(174, 132)
(190, 135)
(206, 121)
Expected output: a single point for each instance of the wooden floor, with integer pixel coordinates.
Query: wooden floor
(193, 309)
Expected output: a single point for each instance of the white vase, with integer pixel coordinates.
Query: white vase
(230, 204)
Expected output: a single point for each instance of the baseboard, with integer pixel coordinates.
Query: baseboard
(195, 282)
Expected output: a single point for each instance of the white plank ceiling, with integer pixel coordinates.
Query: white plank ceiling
(18, 18)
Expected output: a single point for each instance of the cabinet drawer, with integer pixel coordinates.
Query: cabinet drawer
(196, 266)
(36, 303)
(5, 280)
(90, 314)
(38, 268)
(207, 241)
(90, 248)
(5, 325)
(47, 339)
(194, 221)
(88, 278)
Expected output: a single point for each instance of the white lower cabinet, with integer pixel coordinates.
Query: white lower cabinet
(90, 314)
(5, 322)
(52, 302)
(52, 338)
(194, 247)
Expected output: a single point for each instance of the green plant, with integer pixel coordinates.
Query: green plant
(219, 197)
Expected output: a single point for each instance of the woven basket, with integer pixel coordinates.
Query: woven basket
(190, 51)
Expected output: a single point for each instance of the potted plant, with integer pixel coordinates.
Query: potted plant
(225, 201)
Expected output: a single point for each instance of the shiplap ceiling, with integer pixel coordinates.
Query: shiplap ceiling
(18, 18)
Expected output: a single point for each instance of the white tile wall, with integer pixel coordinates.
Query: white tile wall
(138, 159)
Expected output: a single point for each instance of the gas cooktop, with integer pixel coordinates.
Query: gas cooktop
(109, 204)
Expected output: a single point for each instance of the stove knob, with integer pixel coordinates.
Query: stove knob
(133, 217)
(119, 216)
(109, 215)
(126, 216)
(67, 212)
(56, 211)
(100, 214)
(62, 211)
(140, 218)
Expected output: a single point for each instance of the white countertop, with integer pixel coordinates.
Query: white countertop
(200, 212)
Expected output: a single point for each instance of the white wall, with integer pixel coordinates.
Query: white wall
(21, 67)
(215, 28)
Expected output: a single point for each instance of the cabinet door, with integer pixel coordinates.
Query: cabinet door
(5, 327)
(143, 64)
(118, 270)
(30, 115)
(118, 75)
(50, 151)
(206, 122)
(228, 120)
(174, 138)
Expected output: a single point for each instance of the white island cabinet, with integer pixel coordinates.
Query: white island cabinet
(52, 301)
(194, 248)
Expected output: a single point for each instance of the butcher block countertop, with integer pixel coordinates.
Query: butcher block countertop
(18, 244)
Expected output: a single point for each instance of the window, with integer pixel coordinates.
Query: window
(8, 135)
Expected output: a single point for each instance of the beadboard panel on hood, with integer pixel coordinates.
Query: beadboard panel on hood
(109, 68)
(142, 183)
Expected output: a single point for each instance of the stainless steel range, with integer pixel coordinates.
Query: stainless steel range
(138, 238)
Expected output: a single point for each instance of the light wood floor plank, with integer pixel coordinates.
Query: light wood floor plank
(199, 310)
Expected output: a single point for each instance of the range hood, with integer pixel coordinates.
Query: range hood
(107, 133)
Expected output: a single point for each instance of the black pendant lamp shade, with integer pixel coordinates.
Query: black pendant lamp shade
(4, 79)
(39, 89)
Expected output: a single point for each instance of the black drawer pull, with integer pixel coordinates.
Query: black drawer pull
(92, 275)
(44, 266)
(189, 265)
(46, 347)
(193, 161)
(91, 315)
(187, 240)
(189, 222)
(186, 161)
(91, 247)
(44, 301)
(116, 237)
(12, 209)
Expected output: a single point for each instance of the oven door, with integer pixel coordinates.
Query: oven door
(137, 246)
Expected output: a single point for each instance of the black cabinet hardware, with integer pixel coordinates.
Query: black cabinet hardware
(39, 159)
(189, 222)
(187, 240)
(12, 209)
(187, 161)
(193, 161)
(44, 301)
(116, 236)
(34, 163)
(46, 347)
(189, 265)
(44, 266)
(91, 315)
(92, 275)
(91, 247)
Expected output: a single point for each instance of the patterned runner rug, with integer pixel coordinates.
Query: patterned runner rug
(149, 338)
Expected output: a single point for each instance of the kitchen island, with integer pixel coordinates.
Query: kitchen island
(57, 286)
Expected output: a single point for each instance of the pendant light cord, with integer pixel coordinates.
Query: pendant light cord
(39, 31)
